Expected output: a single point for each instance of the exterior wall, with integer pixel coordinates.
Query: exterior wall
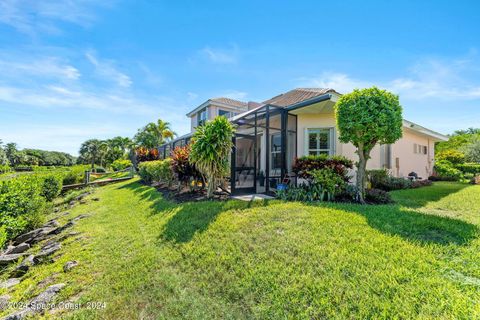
(402, 149)
(193, 121)
(410, 161)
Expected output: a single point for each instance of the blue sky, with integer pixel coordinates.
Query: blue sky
(72, 70)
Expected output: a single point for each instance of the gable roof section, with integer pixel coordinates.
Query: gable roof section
(230, 102)
(298, 95)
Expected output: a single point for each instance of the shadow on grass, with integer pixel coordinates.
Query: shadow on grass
(417, 198)
(416, 226)
(189, 218)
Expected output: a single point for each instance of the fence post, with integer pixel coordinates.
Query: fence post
(87, 176)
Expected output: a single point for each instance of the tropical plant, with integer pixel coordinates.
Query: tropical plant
(303, 166)
(328, 182)
(366, 118)
(210, 149)
(154, 134)
(3, 156)
(181, 166)
(92, 151)
(472, 151)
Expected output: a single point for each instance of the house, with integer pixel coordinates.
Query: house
(271, 134)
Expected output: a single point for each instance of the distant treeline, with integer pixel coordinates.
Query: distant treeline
(11, 156)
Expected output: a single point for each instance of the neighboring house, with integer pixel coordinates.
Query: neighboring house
(271, 134)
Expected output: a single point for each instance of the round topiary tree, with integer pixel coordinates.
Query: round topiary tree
(210, 149)
(366, 117)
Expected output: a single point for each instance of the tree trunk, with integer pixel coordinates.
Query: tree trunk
(211, 186)
(361, 174)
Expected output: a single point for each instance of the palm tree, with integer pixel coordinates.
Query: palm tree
(155, 134)
(91, 151)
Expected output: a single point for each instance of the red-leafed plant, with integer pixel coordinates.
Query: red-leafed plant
(183, 169)
(303, 166)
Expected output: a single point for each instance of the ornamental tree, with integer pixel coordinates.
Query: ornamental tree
(364, 118)
(210, 149)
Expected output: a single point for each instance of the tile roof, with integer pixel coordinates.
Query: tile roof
(297, 95)
(231, 102)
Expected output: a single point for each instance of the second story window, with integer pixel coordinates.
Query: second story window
(202, 117)
(226, 114)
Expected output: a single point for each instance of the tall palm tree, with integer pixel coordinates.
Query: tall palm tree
(91, 150)
(154, 134)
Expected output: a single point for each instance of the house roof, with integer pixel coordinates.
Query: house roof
(297, 95)
(231, 102)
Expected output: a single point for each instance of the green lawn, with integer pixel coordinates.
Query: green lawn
(148, 258)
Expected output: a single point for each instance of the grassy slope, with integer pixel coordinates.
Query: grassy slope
(148, 258)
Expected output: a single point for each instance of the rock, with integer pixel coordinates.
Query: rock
(48, 250)
(9, 258)
(33, 236)
(38, 304)
(83, 201)
(4, 299)
(52, 223)
(62, 228)
(70, 265)
(96, 199)
(22, 247)
(68, 235)
(25, 265)
(9, 283)
(71, 203)
(82, 216)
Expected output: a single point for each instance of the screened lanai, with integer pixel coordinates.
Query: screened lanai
(265, 147)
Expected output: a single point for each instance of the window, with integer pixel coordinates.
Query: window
(386, 156)
(202, 117)
(227, 114)
(276, 151)
(320, 141)
(420, 149)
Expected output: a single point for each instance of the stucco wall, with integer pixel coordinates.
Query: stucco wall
(402, 149)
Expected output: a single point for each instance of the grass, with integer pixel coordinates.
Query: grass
(151, 259)
(109, 176)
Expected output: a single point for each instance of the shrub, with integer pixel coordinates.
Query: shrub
(327, 182)
(380, 179)
(144, 154)
(469, 167)
(3, 236)
(75, 174)
(452, 156)
(156, 171)
(444, 170)
(306, 164)
(51, 186)
(421, 183)
(21, 204)
(377, 196)
(182, 168)
(5, 168)
(121, 164)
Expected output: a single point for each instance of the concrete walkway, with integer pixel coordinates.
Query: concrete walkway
(253, 197)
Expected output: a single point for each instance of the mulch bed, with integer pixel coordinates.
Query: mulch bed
(186, 195)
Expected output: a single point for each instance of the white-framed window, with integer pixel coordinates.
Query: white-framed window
(420, 149)
(227, 114)
(276, 151)
(320, 141)
(202, 117)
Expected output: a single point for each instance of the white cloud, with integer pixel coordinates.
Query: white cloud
(39, 67)
(106, 69)
(430, 78)
(221, 56)
(33, 16)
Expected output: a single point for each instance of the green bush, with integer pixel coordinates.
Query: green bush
(381, 179)
(452, 156)
(328, 183)
(5, 168)
(75, 174)
(51, 186)
(156, 171)
(121, 164)
(473, 168)
(444, 170)
(3, 236)
(21, 204)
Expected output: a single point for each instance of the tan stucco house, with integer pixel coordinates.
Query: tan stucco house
(271, 134)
